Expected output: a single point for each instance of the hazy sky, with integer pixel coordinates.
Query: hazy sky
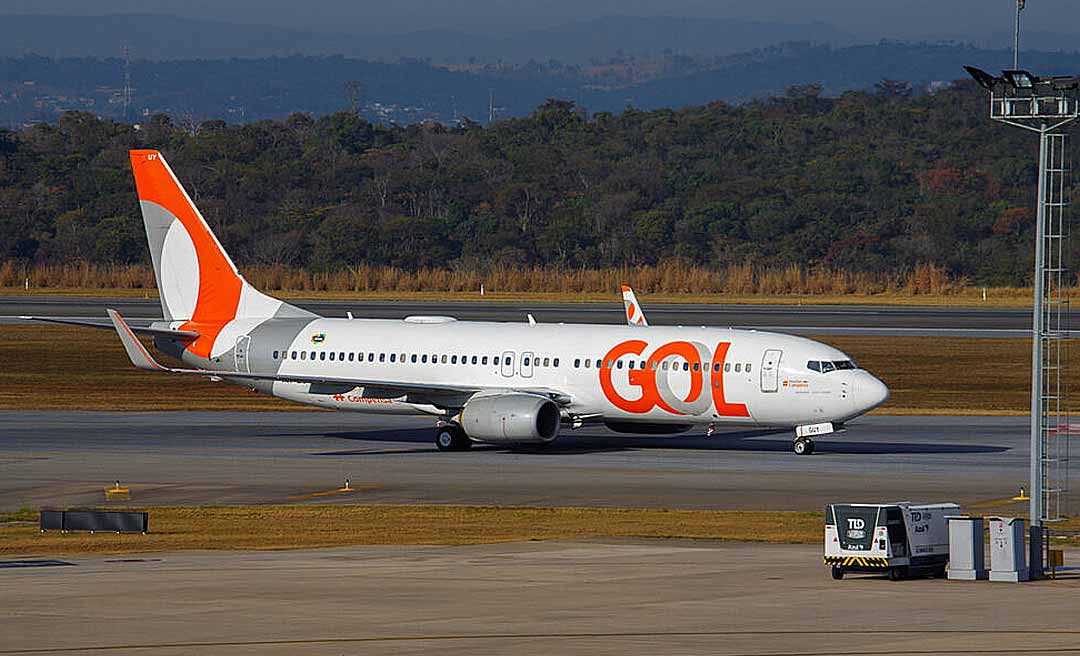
(864, 18)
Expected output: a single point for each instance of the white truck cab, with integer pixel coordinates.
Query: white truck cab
(901, 539)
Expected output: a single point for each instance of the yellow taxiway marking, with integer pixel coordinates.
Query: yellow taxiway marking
(340, 490)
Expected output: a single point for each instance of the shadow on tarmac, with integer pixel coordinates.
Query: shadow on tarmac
(603, 442)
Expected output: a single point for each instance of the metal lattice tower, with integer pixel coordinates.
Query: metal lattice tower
(1045, 106)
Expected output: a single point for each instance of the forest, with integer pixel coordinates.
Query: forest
(880, 182)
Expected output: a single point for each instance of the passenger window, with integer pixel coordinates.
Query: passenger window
(738, 367)
(423, 358)
(813, 365)
(747, 367)
(526, 362)
(547, 362)
(332, 356)
(652, 365)
(322, 355)
(444, 358)
(599, 363)
(371, 357)
(275, 355)
(555, 362)
(587, 363)
(351, 357)
(393, 357)
(303, 355)
(716, 366)
(341, 356)
(453, 359)
(618, 364)
(577, 362)
(294, 355)
(382, 357)
(313, 355)
(697, 366)
(727, 367)
(686, 366)
(413, 358)
(483, 360)
(663, 365)
(474, 359)
(630, 365)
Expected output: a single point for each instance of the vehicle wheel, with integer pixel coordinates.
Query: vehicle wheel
(837, 572)
(939, 572)
(897, 573)
(810, 443)
(451, 438)
(803, 447)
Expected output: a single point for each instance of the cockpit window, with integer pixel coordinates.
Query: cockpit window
(826, 366)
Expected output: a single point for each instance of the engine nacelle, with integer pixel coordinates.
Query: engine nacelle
(642, 428)
(511, 419)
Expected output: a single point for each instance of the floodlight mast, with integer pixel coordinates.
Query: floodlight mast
(1045, 106)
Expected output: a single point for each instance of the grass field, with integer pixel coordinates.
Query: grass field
(321, 526)
(60, 367)
(311, 526)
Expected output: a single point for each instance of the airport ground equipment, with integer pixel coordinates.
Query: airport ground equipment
(1008, 561)
(899, 539)
(967, 549)
(110, 521)
(1046, 106)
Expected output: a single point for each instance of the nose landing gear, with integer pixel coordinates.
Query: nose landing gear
(803, 446)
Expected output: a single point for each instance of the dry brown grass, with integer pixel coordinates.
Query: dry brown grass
(949, 375)
(59, 367)
(314, 526)
(71, 368)
(673, 280)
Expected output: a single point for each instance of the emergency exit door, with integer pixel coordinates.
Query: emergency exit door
(770, 370)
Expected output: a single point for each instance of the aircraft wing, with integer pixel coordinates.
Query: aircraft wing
(635, 316)
(185, 335)
(142, 359)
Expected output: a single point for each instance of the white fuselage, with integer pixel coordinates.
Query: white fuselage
(653, 375)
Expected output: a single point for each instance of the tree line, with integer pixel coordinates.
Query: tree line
(876, 181)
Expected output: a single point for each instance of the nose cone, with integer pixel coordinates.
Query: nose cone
(870, 393)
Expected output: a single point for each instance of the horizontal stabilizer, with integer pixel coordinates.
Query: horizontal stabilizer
(185, 335)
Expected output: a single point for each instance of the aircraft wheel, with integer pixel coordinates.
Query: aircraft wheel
(451, 437)
(803, 446)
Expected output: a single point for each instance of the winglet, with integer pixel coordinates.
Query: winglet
(635, 316)
(138, 354)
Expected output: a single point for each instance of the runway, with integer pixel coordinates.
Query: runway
(805, 319)
(610, 597)
(66, 458)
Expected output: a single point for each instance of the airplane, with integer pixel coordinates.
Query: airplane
(513, 384)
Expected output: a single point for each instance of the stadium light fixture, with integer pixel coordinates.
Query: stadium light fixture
(1020, 79)
(984, 79)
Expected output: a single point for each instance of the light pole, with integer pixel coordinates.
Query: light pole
(1045, 106)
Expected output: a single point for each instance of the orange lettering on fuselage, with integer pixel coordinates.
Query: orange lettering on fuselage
(657, 393)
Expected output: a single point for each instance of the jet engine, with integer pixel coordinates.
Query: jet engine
(511, 419)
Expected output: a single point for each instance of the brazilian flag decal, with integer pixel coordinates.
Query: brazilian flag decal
(318, 338)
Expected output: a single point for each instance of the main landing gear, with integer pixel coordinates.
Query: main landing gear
(803, 446)
(451, 437)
